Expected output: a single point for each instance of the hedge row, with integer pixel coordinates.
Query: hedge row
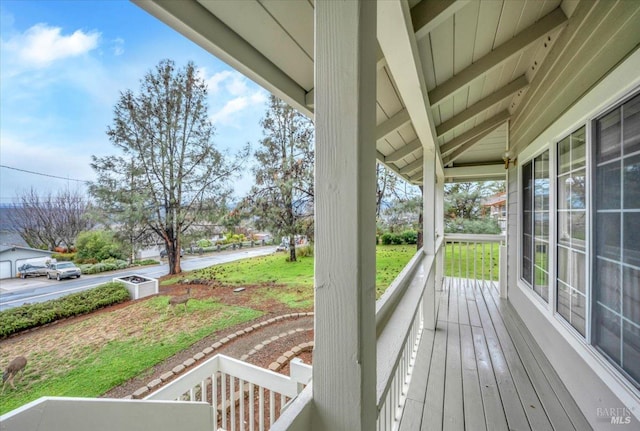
(30, 316)
(406, 237)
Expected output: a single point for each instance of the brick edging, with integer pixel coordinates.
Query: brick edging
(178, 369)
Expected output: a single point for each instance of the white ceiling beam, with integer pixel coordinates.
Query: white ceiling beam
(411, 167)
(482, 105)
(429, 14)
(398, 43)
(476, 172)
(417, 178)
(198, 24)
(403, 152)
(389, 126)
(470, 134)
(548, 23)
(467, 145)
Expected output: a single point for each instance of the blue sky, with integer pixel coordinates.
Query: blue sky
(62, 66)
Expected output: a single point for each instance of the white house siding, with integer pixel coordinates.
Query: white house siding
(592, 381)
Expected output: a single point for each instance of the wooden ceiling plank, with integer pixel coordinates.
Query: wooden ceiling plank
(392, 124)
(470, 134)
(467, 145)
(427, 15)
(483, 105)
(411, 167)
(196, 23)
(403, 152)
(550, 22)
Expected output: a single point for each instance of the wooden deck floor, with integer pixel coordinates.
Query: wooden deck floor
(481, 370)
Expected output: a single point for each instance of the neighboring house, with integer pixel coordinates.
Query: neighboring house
(12, 256)
(496, 207)
(437, 91)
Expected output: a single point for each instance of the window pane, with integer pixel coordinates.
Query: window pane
(563, 301)
(607, 332)
(564, 191)
(564, 155)
(631, 350)
(571, 268)
(578, 190)
(578, 229)
(608, 188)
(608, 235)
(631, 294)
(542, 225)
(542, 255)
(564, 228)
(578, 311)
(607, 281)
(631, 238)
(608, 137)
(541, 183)
(578, 146)
(631, 113)
(632, 182)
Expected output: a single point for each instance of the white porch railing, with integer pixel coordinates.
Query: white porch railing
(400, 321)
(481, 258)
(242, 396)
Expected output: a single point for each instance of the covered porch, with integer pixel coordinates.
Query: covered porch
(436, 91)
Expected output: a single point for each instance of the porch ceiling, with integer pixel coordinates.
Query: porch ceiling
(474, 61)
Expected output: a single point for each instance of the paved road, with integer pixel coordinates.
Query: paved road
(15, 292)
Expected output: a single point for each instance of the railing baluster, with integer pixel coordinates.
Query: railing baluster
(261, 408)
(232, 401)
(241, 391)
(214, 399)
(251, 407)
(272, 407)
(223, 396)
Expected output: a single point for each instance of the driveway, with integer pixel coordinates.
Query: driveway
(15, 292)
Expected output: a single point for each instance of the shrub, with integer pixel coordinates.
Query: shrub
(410, 236)
(304, 251)
(204, 243)
(386, 238)
(99, 245)
(64, 257)
(30, 316)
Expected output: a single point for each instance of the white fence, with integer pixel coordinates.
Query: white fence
(242, 396)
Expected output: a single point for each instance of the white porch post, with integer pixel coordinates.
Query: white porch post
(429, 236)
(344, 363)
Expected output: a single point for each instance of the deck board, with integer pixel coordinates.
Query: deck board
(481, 370)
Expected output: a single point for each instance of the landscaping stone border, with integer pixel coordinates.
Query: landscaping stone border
(207, 351)
(290, 354)
(265, 343)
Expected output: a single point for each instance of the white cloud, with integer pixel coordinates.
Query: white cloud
(235, 106)
(42, 45)
(117, 45)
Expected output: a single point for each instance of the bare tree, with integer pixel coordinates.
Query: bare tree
(169, 166)
(51, 220)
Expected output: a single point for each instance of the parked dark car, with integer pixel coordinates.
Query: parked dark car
(163, 252)
(29, 270)
(62, 270)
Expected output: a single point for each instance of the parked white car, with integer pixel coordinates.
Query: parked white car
(62, 270)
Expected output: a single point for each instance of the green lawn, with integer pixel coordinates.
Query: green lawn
(90, 357)
(390, 259)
